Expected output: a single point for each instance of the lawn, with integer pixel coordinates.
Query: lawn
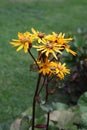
(17, 83)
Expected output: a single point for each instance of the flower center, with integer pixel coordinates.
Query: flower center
(49, 45)
(41, 35)
(59, 67)
(24, 40)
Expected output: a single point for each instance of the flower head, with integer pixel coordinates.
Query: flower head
(37, 35)
(64, 42)
(23, 41)
(54, 44)
(61, 70)
(49, 47)
(45, 67)
(53, 68)
(61, 41)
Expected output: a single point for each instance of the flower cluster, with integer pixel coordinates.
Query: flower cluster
(49, 47)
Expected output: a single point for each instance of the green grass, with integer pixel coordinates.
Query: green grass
(16, 82)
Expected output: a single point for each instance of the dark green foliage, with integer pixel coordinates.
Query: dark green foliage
(17, 84)
(82, 103)
(24, 124)
(79, 45)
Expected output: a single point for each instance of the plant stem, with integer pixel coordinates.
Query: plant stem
(33, 58)
(48, 81)
(42, 85)
(48, 114)
(34, 101)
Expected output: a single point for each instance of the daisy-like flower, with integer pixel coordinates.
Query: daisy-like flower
(46, 67)
(37, 35)
(61, 70)
(49, 47)
(58, 38)
(24, 41)
(64, 43)
(61, 41)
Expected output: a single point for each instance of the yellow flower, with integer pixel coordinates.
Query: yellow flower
(53, 68)
(61, 70)
(64, 42)
(45, 67)
(61, 40)
(58, 38)
(49, 47)
(24, 41)
(37, 35)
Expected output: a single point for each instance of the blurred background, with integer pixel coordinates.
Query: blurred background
(17, 83)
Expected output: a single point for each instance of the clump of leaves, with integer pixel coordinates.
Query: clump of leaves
(62, 116)
(79, 45)
(76, 84)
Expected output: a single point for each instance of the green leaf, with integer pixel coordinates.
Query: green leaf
(59, 106)
(82, 103)
(63, 119)
(25, 123)
(47, 108)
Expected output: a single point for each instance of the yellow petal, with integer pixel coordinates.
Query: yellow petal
(39, 40)
(15, 40)
(54, 55)
(33, 30)
(72, 52)
(15, 43)
(26, 47)
(26, 34)
(20, 35)
(19, 48)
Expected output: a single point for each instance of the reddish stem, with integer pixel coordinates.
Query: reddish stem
(34, 101)
(48, 115)
(33, 58)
